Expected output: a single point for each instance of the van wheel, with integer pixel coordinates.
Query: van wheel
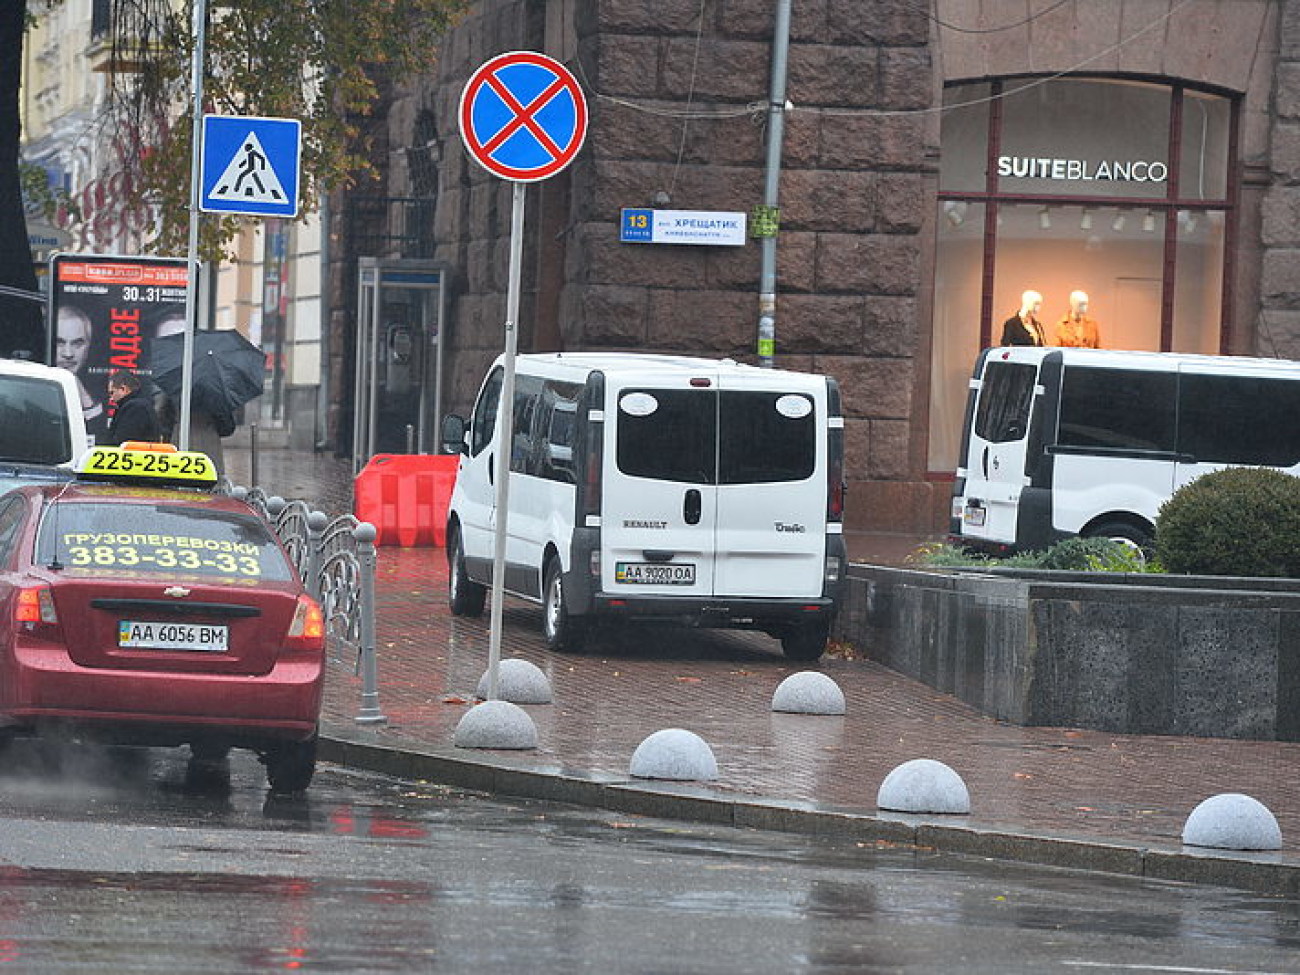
(1127, 534)
(561, 630)
(806, 641)
(465, 596)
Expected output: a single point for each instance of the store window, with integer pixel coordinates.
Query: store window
(1116, 189)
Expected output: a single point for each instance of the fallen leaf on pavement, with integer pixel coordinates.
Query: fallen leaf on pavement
(1022, 775)
(455, 699)
(687, 680)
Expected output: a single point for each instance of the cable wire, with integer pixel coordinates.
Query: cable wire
(690, 98)
(991, 30)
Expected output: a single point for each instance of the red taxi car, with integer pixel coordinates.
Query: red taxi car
(156, 616)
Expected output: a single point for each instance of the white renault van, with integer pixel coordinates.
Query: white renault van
(656, 487)
(1061, 442)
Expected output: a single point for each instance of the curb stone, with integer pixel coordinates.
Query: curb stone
(489, 772)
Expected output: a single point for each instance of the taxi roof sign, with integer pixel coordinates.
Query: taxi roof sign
(136, 462)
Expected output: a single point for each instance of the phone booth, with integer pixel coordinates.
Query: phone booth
(401, 306)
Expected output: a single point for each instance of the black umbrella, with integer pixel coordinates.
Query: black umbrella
(227, 373)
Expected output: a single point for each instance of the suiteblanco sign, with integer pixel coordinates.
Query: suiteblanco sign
(1115, 170)
(718, 227)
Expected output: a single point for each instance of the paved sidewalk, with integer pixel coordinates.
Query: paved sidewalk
(1052, 795)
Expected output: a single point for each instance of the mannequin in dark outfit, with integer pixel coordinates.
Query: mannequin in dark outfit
(1024, 328)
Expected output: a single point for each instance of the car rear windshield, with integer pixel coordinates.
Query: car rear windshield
(710, 437)
(159, 538)
(33, 421)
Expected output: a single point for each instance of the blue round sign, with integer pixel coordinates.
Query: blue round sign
(523, 116)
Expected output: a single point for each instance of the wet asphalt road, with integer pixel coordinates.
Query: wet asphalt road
(136, 866)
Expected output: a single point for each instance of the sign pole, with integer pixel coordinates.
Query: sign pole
(192, 256)
(523, 118)
(506, 421)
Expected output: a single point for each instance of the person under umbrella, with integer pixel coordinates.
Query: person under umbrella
(227, 373)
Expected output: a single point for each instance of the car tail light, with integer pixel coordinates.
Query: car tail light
(307, 631)
(34, 611)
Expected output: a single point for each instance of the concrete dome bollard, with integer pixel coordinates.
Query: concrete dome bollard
(519, 682)
(1232, 821)
(808, 692)
(924, 786)
(496, 724)
(675, 754)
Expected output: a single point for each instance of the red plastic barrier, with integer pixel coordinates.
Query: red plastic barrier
(405, 496)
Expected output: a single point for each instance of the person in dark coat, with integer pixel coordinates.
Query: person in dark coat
(133, 417)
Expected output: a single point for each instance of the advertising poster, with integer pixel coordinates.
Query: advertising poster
(105, 312)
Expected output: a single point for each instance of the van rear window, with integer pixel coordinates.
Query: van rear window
(709, 437)
(1005, 398)
(33, 422)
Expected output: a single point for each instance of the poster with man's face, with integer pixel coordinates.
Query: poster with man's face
(105, 313)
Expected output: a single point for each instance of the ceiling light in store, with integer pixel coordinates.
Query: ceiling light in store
(1118, 223)
(1086, 222)
(1149, 222)
(1187, 221)
(1044, 219)
(955, 211)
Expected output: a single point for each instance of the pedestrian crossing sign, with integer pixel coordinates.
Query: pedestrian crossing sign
(250, 165)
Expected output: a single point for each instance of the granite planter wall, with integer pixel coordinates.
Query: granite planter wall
(1137, 654)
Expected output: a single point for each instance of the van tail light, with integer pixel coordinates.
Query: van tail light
(307, 631)
(591, 484)
(835, 475)
(35, 614)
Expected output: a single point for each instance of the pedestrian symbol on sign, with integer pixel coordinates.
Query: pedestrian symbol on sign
(248, 177)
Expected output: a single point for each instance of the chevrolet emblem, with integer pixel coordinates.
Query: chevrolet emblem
(180, 592)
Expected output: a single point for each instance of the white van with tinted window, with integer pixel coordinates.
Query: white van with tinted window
(1061, 442)
(656, 487)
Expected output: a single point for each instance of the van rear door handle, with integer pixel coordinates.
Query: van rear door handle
(986, 463)
(692, 506)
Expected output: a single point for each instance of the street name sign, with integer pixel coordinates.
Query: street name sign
(717, 227)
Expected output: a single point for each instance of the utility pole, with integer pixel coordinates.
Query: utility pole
(200, 27)
(776, 108)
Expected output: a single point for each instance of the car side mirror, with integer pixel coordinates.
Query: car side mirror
(453, 434)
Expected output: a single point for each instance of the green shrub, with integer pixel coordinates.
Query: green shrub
(1091, 555)
(1243, 521)
(1072, 554)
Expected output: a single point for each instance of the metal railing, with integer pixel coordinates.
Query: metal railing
(336, 560)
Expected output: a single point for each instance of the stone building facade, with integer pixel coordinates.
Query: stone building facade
(901, 246)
